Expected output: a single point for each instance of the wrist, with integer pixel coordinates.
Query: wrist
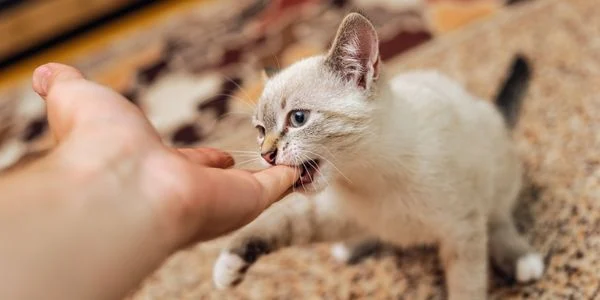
(68, 210)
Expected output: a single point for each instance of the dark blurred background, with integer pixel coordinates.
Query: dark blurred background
(30, 27)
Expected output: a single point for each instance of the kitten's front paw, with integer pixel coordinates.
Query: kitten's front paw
(229, 270)
(529, 267)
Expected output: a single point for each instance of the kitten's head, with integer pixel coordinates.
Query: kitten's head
(316, 113)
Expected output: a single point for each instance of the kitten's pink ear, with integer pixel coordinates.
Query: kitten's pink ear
(355, 51)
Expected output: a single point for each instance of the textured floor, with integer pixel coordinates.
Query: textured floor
(558, 136)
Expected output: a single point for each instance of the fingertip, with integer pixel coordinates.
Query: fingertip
(45, 76)
(292, 174)
(40, 79)
(276, 181)
(286, 173)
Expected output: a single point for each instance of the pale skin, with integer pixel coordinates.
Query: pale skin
(111, 202)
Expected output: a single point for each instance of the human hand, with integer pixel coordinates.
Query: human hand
(117, 194)
(189, 185)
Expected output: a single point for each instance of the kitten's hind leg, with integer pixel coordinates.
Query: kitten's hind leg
(464, 257)
(292, 221)
(511, 254)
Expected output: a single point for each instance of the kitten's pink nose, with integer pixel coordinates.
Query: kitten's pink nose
(270, 156)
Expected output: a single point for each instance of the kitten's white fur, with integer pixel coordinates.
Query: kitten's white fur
(530, 267)
(419, 161)
(228, 269)
(340, 252)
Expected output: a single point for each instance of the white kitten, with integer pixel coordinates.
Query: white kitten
(414, 160)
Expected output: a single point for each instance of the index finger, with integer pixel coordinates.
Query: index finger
(225, 200)
(275, 182)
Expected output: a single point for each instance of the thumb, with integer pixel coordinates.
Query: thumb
(73, 101)
(45, 77)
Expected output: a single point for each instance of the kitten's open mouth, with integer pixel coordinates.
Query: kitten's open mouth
(309, 170)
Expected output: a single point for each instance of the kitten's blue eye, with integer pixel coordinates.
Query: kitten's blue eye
(298, 118)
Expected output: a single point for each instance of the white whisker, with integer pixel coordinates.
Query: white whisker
(314, 165)
(297, 161)
(240, 151)
(332, 164)
(247, 161)
(327, 183)
(236, 113)
(246, 102)
(245, 156)
(239, 87)
(277, 61)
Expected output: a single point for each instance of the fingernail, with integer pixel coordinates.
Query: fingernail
(41, 77)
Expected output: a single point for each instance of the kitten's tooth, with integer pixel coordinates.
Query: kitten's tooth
(340, 252)
(228, 270)
(529, 267)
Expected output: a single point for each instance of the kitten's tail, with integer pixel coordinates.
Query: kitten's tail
(511, 95)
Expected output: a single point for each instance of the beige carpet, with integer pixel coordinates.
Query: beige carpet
(558, 137)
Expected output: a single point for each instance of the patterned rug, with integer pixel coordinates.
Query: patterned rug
(196, 78)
